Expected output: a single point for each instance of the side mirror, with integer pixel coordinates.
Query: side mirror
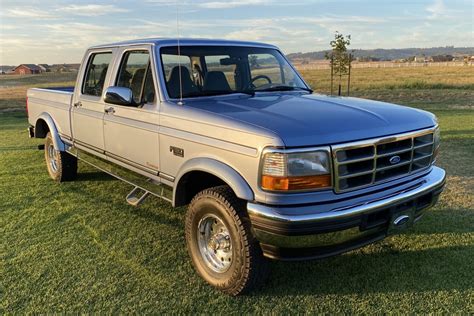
(119, 96)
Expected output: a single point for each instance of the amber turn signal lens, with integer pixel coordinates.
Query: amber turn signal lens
(295, 183)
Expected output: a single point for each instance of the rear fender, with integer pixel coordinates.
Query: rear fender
(46, 118)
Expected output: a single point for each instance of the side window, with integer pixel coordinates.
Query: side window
(290, 78)
(216, 64)
(135, 74)
(149, 88)
(95, 74)
(265, 64)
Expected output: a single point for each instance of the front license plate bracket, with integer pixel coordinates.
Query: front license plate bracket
(401, 220)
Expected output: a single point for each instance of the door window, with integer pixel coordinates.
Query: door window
(135, 73)
(96, 73)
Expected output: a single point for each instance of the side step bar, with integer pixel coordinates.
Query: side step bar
(137, 196)
(143, 186)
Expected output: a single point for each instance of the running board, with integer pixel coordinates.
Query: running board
(137, 196)
(139, 181)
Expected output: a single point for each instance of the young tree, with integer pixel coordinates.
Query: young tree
(253, 61)
(340, 59)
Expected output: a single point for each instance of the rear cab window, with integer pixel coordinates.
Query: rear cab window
(96, 73)
(215, 64)
(171, 65)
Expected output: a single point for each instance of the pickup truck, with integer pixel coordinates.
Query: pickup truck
(268, 169)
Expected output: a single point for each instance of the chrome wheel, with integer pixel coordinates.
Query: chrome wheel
(53, 158)
(215, 243)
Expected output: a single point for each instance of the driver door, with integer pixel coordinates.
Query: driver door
(131, 132)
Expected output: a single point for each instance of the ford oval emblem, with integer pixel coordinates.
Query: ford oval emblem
(399, 221)
(394, 160)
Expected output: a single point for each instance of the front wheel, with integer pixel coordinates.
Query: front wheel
(61, 165)
(220, 242)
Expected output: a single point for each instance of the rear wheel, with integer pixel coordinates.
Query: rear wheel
(220, 242)
(61, 165)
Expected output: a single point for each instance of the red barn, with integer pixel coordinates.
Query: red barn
(25, 69)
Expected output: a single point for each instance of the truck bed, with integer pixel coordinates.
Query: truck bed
(62, 89)
(56, 102)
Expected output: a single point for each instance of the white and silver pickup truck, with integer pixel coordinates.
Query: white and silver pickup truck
(269, 169)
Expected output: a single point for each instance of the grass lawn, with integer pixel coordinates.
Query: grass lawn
(78, 247)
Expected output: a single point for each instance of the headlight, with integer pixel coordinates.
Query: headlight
(436, 142)
(294, 171)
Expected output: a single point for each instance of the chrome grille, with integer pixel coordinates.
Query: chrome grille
(374, 161)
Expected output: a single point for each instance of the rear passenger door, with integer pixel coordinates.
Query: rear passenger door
(131, 132)
(88, 105)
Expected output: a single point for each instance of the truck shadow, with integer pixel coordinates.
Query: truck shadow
(387, 270)
(94, 176)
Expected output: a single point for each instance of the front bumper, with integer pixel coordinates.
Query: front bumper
(283, 234)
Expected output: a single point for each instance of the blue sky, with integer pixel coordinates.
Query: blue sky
(50, 31)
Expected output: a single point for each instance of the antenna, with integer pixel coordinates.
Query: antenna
(179, 56)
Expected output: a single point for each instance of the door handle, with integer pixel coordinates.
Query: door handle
(110, 110)
(78, 104)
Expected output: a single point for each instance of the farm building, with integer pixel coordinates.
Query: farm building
(6, 69)
(44, 67)
(25, 69)
(65, 67)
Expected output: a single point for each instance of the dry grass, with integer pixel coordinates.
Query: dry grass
(397, 78)
(13, 87)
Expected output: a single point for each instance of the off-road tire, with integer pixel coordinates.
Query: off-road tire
(248, 268)
(65, 165)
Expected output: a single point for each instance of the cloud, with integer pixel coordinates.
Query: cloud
(29, 12)
(166, 2)
(436, 9)
(439, 10)
(232, 4)
(91, 9)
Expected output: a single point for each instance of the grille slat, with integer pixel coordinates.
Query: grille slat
(356, 160)
(395, 166)
(356, 174)
(395, 152)
(361, 164)
(423, 145)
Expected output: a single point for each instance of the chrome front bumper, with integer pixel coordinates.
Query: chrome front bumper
(283, 234)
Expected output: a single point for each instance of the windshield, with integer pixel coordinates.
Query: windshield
(216, 70)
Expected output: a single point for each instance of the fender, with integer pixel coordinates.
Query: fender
(224, 172)
(58, 143)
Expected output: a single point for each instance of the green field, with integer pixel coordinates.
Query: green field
(78, 247)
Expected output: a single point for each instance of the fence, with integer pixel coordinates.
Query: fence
(313, 66)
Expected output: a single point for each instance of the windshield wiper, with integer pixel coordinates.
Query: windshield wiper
(285, 88)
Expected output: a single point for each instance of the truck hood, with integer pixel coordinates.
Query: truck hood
(313, 120)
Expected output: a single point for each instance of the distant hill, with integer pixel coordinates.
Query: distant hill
(391, 54)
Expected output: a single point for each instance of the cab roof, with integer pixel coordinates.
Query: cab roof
(184, 42)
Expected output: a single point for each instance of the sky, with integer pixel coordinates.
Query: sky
(53, 31)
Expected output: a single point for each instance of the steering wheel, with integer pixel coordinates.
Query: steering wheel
(251, 85)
